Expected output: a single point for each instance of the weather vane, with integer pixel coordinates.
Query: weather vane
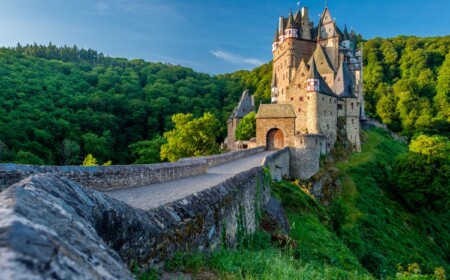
(326, 3)
(298, 5)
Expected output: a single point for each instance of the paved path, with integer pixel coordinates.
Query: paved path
(154, 195)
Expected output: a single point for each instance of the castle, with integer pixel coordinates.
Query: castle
(317, 78)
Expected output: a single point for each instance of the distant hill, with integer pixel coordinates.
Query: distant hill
(97, 104)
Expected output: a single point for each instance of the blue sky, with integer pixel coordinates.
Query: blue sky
(208, 36)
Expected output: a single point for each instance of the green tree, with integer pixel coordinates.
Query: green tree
(24, 157)
(434, 146)
(191, 137)
(246, 128)
(90, 160)
(69, 151)
(148, 151)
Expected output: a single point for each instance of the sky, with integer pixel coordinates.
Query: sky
(209, 36)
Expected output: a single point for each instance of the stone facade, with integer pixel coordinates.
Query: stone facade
(318, 72)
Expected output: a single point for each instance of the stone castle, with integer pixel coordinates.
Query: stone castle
(317, 78)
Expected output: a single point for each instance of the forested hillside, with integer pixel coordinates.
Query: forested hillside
(58, 104)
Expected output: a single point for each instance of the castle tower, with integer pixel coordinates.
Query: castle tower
(322, 106)
(328, 37)
(245, 106)
(348, 106)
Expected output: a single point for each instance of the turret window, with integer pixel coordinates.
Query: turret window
(339, 106)
(351, 104)
(301, 98)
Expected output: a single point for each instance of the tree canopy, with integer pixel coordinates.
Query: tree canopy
(191, 137)
(246, 128)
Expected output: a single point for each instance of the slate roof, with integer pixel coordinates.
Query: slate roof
(291, 22)
(323, 86)
(324, 65)
(345, 36)
(245, 106)
(276, 38)
(275, 111)
(343, 83)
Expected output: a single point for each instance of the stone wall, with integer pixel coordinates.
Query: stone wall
(227, 157)
(278, 164)
(104, 178)
(263, 126)
(304, 161)
(55, 228)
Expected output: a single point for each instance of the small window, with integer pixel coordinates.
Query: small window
(301, 98)
(308, 97)
(325, 112)
(351, 104)
(299, 110)
(292, 98)
(352, 121)
(330, 100)
(323, 99)
(339, 106)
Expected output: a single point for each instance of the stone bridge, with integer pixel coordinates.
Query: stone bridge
(94, 222)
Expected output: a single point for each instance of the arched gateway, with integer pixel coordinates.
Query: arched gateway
(275, 139)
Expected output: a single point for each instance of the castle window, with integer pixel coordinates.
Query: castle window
(352, 105)
(339, 106)
(308, 97)
(328, 126)
(352, 121)
(299, 110)
(323, 99)
(325, 112)
(299, 85)
(330, 100)
(302, 75)
(331, 112)
(301, 98)
(292, 98)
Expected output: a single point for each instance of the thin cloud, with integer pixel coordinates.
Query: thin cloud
(101, 7)
(235, 58)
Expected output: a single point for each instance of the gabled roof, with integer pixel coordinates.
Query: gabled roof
(323, 86)
(343, 83)
(275, 111)
(324, 65)
(244, 106)
(291, 22)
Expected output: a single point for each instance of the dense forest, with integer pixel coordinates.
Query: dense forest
(58, 104)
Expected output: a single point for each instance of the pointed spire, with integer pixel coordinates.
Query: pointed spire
(316, 83)
(277, 35)
(313, 73)
(343, 83)
(322, 60)
(346, 36)
(291, 24)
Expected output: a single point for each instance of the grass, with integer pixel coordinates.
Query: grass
(362, 234)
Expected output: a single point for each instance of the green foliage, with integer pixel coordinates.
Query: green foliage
(103, 104)
(246, 128)
(433, 146)
(378, 229)
(90, 160)
(407, 83)
(148, 151)
(28, 158)
(191, 137)
(422, 175)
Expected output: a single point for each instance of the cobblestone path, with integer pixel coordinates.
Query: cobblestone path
(154, 195)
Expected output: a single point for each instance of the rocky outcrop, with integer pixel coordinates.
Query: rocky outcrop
(47, 232)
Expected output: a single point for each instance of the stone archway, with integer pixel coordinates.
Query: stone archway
(275, 139)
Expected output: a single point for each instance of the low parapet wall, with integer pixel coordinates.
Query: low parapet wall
(227, 157)
(55, 228)
(278, 164)
(102, 178)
